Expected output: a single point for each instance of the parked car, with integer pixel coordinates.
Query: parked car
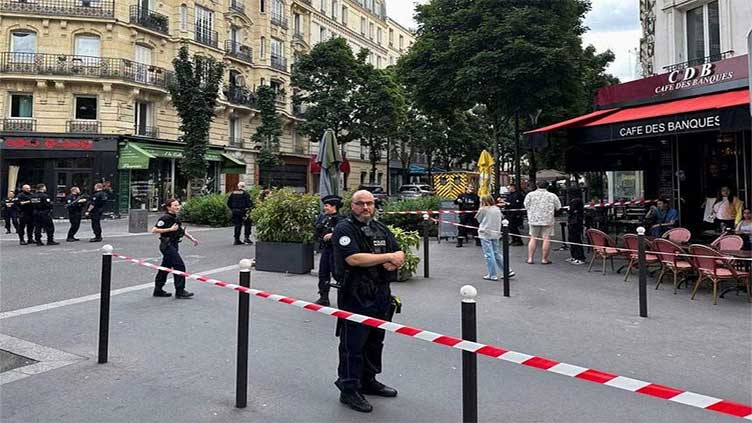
(415, 191)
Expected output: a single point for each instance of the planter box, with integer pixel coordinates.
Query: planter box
(284, 257)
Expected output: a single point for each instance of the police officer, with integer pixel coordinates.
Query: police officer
(366, 258)
(324, 230)
(10, 212)
(240, 203)
(515, 204)
(75, 203)
(26, 215)
(170, 231)
(95, 210)
(468, 202)
(43, 216)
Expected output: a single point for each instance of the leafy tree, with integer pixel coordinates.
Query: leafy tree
(194, 95)
(267, 134)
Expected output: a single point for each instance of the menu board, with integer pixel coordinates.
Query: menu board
(666, 175)
(447, 230)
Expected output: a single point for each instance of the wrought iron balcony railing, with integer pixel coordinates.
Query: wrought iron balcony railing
(84, 66)
(236, 142)
(19, 125)
(85, 8)
(240, 95)
(150, 19)
(237, 6)
(298, 35)
(239, 51)
(279, 63)
(83, 126)
(146, 131)
(206, 36)
(279, 21)
(699, 61)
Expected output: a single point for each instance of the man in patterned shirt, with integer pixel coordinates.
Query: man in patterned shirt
(541, 206)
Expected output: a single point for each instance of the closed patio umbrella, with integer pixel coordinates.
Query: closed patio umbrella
(485, 170)
(329, 158)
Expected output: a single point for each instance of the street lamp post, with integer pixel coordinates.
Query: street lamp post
(534, 121)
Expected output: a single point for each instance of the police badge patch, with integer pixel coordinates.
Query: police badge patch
(160, 223)
(344, 241)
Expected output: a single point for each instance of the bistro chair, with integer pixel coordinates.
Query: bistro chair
(730, 243)
(603, 246)
(631, 242)
(671, 260)
(678, 235)
(715, 242)
(712, 266)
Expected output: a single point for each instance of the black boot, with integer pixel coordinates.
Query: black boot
(237, 242)
(374, 387)
(183, 294)
(39, 242)
(161, 293)
(323, 299)
(52, 242)
(356, 401)
(248, 241)
(22, 242)
(459, 242)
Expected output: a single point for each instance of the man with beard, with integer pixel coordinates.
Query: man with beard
(26, 217)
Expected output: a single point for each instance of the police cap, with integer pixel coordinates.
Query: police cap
(333, 200)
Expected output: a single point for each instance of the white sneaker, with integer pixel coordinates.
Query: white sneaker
(570, 259)
(578, 262)
(491, 278)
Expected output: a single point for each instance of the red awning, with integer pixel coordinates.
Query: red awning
(578, 121)
(315, 168)
(687, 105)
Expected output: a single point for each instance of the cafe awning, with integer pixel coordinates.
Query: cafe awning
(232, 165)
(578, 121)
(136, 155)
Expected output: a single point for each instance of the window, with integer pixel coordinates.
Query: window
(703, 33)
(183, 17)
(86, 108)
(143, 60)
(296, 24)
(378, 36)
(144, 119)
(401, 42)
(278, 9)
(278, 48)
(23, 42)
(344, 15)
(322, 6)
(335, 6)
(391, 37)
(371, 30)
(263, 47)
(204, 24)
(262, 6)
(88, 45)
(362, 26)
(21, 105)
(235, 137)
(378, 62)
(322, 34)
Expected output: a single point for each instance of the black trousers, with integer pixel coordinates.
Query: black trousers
(170, 258)
(75, 223)
(26, 225)
(43, 221)
(469, 220)
(9, 220)
(239, 220)
(326, 266)
(575, 235)
(515, 223)
(360, 348)
(96, 223)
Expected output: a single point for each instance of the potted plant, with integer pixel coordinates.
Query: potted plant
(407, 240)
(284, 231)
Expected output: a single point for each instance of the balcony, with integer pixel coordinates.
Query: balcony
(236, 142)
(83, 126)
(239, 51)
(150, 19)
(84, 66)
(146, 131)
(206, 36)
(279, 21)
(279, 63)
(19, 125)
(83, 8)
(701, 61)
(280, 101)
(298, 36)
(240, 95)
(237, 6)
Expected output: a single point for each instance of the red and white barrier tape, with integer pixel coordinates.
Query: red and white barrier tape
(704, 402)
(587, 206)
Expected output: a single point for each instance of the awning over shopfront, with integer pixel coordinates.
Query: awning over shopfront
(232, 165)
(136, 155)
(578, 121)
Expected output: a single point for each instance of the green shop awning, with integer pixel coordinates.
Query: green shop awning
(133, 156)
(136, 155)
(232, 165)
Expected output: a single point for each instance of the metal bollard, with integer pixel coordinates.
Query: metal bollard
(426, 230)
(564, 246)
(643, 272)
(104, 304)
(469, 360)
(244, 306)
(505, 254)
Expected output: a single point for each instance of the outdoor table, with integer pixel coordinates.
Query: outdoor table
(738, 254)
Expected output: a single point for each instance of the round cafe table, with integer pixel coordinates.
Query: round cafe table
(743, 254)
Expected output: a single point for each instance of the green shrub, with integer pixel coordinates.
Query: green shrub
(410, 222)
(209, 210)
(286, 216)
(407, 240)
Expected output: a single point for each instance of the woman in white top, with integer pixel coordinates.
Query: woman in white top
(489, 232)
(744, 228)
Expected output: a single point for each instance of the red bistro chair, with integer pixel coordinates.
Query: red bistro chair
(603, 246)
(631, 242)
(668, 253)
(713, 267)
(730, 243)
(678, 235)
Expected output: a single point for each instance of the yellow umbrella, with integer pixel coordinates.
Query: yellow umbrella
(485, 169)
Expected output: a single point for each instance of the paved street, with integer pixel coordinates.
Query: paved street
(175, 360)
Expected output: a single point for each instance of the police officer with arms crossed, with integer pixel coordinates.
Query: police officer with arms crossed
(95, 210)
(366, 258)
(170, 231)
(10, 212)
(26, 216)
(75, 204)
(469, 202)
(240, 203)
(324, 230)
(43, 216)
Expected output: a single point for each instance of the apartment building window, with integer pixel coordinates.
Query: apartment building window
(322, 34)
(391, 37)
(371, 30)
(262, 6)
(262, 50)
(322, 6)
(21, 105)
(344, 15)
(235, 136)
(23, 42)
(85, 108)
(142, 57)
(378, 62)
(297, 23)
(378, 35)
(278, 9)
(87, 45)
(334, 9)
(278, 48)
(144, 124)
(183, 17)
(401, 42)
(391, 60)
(362, 26)
(703, 33)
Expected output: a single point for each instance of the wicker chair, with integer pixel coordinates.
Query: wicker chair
(603, 246)
(671, 262)
(631, 242)
(678, 235)
(712, 266)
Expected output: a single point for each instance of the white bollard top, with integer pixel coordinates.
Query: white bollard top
(468, 293)
(107, 249)
(425, 216)
(640, 230)
(245, 265)
(504, 222)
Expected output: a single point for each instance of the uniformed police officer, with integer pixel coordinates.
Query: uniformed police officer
(43, 216)
(170, 231)
(10, 212)
(240, 203)
(367, 257)
(25, 216)
(468, 202)
(75, 203)
(324, 230)
(95, 210)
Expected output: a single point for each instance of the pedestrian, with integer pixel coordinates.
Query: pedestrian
(43, 216)
(75, 203)
(367, 258)
(575, 226)
(515, 211)
(25, 216)
(541, 206)
(325, 225)
(489, 232)
(469, 203)
(171, 231)
(95, 210)
(10, 212)
(240, 204)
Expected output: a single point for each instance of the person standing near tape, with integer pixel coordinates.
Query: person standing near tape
(468, 202)
(515, 206)
(240, 203)
(171, 231)
(95, 210)
(324, 231)
(26, 215)
(75, 204)
(366, 260)
(10, 212)
(43, 216)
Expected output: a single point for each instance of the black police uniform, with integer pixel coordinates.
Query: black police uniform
(576, 225)
(75, 203)
(98, 201)
(240, 203)
(515, 203)
(364, 290)
(10, 213)
(43, 217)
(168, 246)
(325, 225)
(469, 202)
(25, 217)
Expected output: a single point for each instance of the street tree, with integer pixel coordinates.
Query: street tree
(266, 137)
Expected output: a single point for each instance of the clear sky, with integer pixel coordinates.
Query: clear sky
(614, 24)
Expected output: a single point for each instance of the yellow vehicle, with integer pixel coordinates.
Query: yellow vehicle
(450, 185)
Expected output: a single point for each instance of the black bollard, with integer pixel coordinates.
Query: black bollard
(564, 246)
(643, 272)
(469, 360)
(426, 230)
(104, 304)
(505, 254)
(244, 306)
